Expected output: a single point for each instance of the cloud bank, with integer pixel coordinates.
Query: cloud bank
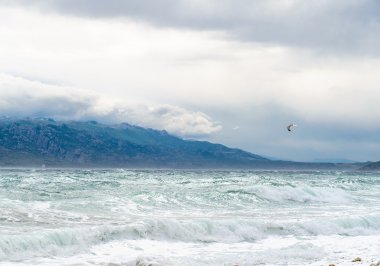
(256, 66)
(21, 97)
(347, 26)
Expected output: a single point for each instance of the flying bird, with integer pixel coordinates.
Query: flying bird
(290, 127)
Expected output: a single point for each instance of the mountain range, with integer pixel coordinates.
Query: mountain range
(371, 166)
(45, 142)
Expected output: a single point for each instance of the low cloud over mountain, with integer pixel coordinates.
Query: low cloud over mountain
(21, 97)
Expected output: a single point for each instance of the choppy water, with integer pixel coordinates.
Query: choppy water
(125, 217)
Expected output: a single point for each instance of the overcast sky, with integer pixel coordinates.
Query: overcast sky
(235, 72)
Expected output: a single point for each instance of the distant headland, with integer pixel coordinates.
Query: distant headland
(36, 142)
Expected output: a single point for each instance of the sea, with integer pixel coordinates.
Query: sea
(188, 217)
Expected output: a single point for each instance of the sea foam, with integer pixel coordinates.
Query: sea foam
(78, 217)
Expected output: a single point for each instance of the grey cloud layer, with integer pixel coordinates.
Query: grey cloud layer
(21, 97)
(348, 26)
(96, 44)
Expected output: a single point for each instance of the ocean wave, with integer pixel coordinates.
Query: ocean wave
(353, 226)
(65, 241)
(299, 194)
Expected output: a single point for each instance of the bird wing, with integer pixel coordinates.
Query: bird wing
(291, 126)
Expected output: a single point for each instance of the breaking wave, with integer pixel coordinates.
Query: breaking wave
(66, 241)
(298, 194)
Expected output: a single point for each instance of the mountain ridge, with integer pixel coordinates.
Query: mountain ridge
(371, 166)
(91, 143)
(44, 141)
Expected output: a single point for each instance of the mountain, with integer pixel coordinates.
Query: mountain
(371, 166)
(332, 160)
(42, 141)
(54, 143)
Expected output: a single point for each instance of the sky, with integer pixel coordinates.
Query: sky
(235, 72)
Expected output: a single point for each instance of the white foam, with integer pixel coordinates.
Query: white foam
(65, 241)
(152, 218)
(318, 250)
(300, 194)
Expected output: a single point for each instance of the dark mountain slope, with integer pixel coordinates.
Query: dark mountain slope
(375, 166)
(36, 142)
(45, 141)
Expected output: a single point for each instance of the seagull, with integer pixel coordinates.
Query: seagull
(290, 127)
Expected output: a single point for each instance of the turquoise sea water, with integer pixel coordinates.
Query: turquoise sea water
(175, 217)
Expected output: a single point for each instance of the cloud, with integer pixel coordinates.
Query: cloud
(21, 97)
(341, 26)
(260, 84)
(263, 132)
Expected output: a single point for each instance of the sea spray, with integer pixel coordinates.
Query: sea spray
(168, 217)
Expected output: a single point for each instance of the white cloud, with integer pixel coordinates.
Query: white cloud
(339, 26)
(260, 86)
(203, 70)
(21, 97)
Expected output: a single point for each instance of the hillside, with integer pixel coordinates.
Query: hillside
(52, 143)
(371, 167)
(37, 142)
